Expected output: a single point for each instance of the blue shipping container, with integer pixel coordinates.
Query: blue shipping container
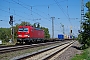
(60, 36)
(70, 37)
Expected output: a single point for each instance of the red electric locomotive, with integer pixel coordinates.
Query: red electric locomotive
(27, 34)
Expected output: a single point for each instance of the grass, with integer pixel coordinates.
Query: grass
(6, 43)
(84, 56)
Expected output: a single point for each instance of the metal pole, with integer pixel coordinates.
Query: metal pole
(12, 33)
(82, 14)
(63, 29)
(12, 30)
(52, 26)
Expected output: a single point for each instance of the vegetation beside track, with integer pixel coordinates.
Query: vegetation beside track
(84, 36)
(7, 43)
(84, 56)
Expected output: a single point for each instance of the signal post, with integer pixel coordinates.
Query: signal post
(12, 30)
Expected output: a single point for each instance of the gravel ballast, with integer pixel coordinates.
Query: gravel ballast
(70, 52)
(67, 55)
(10, 55)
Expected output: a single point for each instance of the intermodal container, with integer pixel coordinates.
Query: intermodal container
(70, 37)
(60, 36)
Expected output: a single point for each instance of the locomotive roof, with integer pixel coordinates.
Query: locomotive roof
(30, 27)
(25, 26)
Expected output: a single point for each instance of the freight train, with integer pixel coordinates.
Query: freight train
(28, 34)
(65, 37)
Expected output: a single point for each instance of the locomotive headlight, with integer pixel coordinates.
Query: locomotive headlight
(27, 35)
(19, 35)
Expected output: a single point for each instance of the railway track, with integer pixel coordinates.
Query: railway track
(23, 47)
(46, 54)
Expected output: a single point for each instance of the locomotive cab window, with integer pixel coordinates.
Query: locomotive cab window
(20, 29)
(23, 29)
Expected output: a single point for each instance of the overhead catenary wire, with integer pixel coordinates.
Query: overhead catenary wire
(28, 9)
(63, 11)
(41, 5)
(36, 10)
(14, 10)
(16, 14)
(31, 6)
(24, 7)
(13, 14)
(28, 5)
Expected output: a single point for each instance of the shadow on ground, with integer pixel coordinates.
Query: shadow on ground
(78, 48)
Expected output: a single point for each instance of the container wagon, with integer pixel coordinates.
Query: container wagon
(61, 37)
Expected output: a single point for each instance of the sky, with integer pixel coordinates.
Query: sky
(66, 12)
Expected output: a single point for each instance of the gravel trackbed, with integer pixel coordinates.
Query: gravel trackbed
(71, 52)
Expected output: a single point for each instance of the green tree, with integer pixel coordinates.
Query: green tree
(23, 23)
(46, 30)
(34, 25)
(85, 34)
(5, 34)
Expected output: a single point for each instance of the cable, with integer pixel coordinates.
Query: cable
(35, 9)
(62, 10)
(15, 10)
(28, 9)
(20, 5)
(41, 5)
(13, 14)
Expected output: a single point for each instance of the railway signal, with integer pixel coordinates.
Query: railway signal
(11, 20)
(71, 31)
(12, 30)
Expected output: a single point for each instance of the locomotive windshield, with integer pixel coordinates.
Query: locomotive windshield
(23, 29)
